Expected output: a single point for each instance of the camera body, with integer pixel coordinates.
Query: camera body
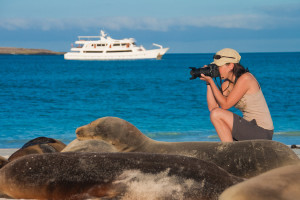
(211, 70)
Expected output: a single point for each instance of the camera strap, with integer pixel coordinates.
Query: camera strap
(219, 86)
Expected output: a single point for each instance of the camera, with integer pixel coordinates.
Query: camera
(211, 70)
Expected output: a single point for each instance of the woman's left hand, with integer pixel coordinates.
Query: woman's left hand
(208, 79)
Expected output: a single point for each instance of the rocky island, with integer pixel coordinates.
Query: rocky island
(25, 51)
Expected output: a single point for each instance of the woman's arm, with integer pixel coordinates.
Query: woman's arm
(238, 91)
(211, 101)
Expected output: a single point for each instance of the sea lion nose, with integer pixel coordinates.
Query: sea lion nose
(79, 131)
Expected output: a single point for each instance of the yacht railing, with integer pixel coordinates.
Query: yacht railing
(88, 37)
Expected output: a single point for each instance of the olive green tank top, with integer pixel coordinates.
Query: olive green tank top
(254, 106)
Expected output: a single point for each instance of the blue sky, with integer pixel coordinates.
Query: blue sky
(186, 26)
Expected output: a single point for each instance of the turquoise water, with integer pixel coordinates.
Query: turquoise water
(48, 96)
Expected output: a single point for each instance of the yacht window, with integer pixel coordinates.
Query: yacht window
(117, 45)
(92, 51)
(119, 51)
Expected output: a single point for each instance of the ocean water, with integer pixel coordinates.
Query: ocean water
(49, 96)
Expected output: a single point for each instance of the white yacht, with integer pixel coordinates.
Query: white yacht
(104, 47)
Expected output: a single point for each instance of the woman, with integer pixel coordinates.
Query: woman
(240, 89)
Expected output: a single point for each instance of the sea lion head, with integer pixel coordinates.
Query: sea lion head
(121, 134)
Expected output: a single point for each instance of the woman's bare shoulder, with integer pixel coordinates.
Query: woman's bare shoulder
(251, 81)
(247, 77)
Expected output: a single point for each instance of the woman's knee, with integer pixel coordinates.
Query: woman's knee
(219, 114)
(216, 113)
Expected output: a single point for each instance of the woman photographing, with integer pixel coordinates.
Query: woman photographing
(241, 90)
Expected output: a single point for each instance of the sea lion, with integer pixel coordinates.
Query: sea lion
(89, 146)
(77, 175)
(293, 146)
(245, 159)
(281, 184)
(41, 140)
(37, 146)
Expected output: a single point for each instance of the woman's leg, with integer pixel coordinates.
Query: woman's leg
(223, 123)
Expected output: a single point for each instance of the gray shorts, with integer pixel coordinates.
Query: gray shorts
(245, 130)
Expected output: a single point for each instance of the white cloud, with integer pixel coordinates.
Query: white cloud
(252, 22)
(12, 24)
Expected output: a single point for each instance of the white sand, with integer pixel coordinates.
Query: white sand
(297, 151)
(7, 152)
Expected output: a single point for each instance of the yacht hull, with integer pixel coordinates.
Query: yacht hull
(148, 54)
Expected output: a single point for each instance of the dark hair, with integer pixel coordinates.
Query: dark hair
(239, 70)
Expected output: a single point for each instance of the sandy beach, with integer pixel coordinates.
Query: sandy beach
(297, 151)
(7, 152)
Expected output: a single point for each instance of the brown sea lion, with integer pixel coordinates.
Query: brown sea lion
(37, 146)
(244, 159)
(75, 175)
(281, 184)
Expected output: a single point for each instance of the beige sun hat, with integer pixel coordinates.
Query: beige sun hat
(225, 56)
